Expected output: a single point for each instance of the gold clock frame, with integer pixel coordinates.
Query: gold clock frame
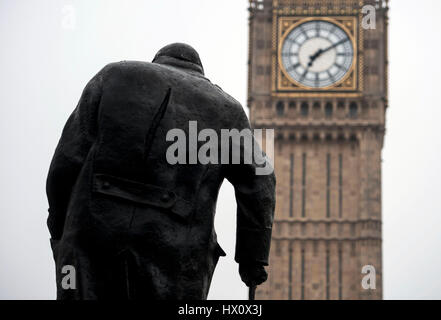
(351, 85)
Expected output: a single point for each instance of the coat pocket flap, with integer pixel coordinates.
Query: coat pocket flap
(141, 193)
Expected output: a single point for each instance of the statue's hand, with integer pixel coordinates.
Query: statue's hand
(252, 274)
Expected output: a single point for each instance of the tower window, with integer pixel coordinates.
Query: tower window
(290, 272)
(340, 273)
(353, 110)
(327, 274)
(302, 275)
(328, 185)
(292, 105)
(340, 185)
(303, 184)
(328, 110)
(268, 70)
(316, 109)
(280, 109)
(291, 185)
(304, 109)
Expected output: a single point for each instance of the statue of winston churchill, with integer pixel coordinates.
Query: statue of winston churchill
(131, 224)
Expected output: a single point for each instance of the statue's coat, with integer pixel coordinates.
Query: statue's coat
(132, 225)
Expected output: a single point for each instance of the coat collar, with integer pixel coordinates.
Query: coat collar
(181, 64)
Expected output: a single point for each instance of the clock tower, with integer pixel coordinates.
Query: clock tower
(318, 76)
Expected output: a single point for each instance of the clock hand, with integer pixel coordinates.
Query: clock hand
(335, 45)
(321, 51)
(314, 56)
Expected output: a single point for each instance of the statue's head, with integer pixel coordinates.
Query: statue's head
(181, 55)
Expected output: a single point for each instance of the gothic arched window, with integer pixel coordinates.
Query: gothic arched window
(280, 109)
(328, 110)
(353, 110)
(304, 109)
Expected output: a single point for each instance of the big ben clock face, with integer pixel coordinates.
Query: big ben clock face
(317, 54)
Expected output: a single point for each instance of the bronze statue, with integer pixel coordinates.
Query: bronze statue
(131, 224)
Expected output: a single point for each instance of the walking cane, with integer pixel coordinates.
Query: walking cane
(251, 292)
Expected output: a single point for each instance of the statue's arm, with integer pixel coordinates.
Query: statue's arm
(255, 197)
(78, 135)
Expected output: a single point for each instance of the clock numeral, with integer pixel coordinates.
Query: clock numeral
(330, 76)
(293, 67)
(317, 29)
(293, 41)
(333, 28)
(289, 54)
(304, 32)
(304, 75)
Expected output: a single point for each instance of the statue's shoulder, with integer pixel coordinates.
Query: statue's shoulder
(232, 102)
(128, 66)
(234, 112)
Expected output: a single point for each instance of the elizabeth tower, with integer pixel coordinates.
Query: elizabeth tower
(318, 76)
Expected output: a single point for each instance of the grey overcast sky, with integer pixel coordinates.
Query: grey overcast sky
(46, 60)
